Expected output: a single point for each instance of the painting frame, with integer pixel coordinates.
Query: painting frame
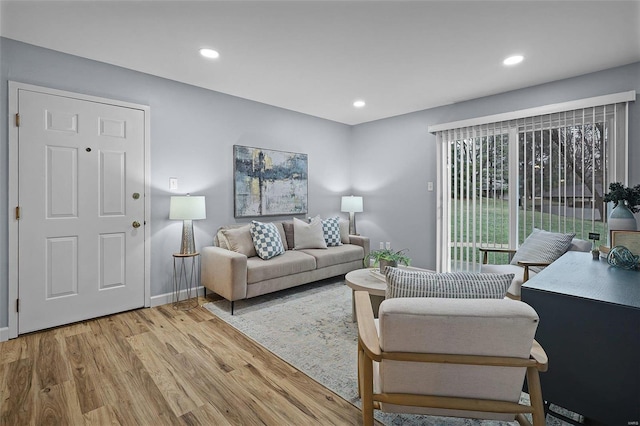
(269, 182)
(628, 239)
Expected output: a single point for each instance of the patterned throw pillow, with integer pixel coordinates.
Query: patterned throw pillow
(542, 246)
(331, 230)
(455, 285)
(266, 239)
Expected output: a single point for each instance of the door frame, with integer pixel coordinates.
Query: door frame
(14, 87)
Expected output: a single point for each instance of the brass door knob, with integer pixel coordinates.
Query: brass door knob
(136, 224)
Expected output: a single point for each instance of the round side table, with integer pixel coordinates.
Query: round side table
(185, 277)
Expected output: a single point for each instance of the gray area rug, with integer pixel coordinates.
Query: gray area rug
(310, 327)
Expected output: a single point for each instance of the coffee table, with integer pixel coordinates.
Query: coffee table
(364, 280)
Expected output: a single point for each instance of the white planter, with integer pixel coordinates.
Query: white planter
(621, 219)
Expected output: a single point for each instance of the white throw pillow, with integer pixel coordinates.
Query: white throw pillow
(454, 285)
(308, 235)
(239, 240)
(344, 231)
(542, 246)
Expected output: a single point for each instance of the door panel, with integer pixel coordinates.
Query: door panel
(79, 162)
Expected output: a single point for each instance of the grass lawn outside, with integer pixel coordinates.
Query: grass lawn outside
(492, 227)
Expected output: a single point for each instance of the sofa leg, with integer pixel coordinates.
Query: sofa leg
(232, 302)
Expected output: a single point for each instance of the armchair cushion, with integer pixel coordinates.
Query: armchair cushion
(412, 283)
(542, 246)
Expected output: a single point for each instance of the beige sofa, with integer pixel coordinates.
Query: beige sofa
(232, 270)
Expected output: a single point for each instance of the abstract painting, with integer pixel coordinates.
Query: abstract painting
(268, 182)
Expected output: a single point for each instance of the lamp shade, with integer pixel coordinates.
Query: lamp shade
(351, 204)
(186, 207)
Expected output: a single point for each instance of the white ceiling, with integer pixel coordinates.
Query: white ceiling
(317, 57)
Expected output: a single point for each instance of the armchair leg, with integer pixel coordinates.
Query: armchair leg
(535, 394)
(360, 360)
(367, 391)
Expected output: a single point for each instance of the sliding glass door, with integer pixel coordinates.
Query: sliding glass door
(500, 180)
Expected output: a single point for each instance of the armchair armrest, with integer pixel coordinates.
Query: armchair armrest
(367, 333)
(224, 272)
(526, 264)
(486, 250)
(540, 356)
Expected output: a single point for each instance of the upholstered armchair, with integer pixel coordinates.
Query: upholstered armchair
(449, 357)
(540, 249)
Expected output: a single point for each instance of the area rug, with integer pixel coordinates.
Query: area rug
(311, 328)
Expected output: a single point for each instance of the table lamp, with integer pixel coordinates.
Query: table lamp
(187, 209)
(352, 205)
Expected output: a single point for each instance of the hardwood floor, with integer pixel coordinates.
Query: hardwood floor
(157, 366)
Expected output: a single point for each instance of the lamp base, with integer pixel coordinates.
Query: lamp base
(188, 244)
(352, 224)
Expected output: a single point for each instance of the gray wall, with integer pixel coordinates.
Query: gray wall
(396, 157)
(192, 134)
(389, 162)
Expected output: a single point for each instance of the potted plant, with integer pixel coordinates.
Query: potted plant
(626, 201)
(387, 257)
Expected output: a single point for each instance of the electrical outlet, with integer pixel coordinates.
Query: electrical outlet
(381, 245)
(173, 184)
(429, 186)
(388, 245)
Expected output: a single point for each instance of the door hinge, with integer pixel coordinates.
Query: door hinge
(17, 119)
(17, 305)
(17, 212)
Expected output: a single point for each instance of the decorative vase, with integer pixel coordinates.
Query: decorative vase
(385, 263)
(621, 219)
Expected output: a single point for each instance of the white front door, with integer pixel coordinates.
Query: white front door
(81, 189)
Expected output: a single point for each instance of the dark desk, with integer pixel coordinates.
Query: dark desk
(590, 328)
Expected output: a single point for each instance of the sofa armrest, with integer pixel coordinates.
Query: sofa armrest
(361, 241)
(224, 272)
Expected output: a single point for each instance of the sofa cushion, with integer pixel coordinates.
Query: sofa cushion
(580, 245)
(542, 246)
(344, 231)
(266, 239)
(468, 285)
(283, 235)
(331, 231)
(288, 232)
(288, 263)
(238, 240)
(308, 235)
(336, 255)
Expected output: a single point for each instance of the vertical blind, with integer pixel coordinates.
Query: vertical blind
(500, 179)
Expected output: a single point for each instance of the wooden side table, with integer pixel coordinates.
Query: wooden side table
(185, 275)
(363, 280)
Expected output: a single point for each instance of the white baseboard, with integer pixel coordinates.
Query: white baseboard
(163, 299)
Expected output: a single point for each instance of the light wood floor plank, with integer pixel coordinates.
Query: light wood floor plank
(157, 366)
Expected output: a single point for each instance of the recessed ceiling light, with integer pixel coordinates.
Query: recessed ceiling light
(209, 53)
(513, 60)
(359, 103)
